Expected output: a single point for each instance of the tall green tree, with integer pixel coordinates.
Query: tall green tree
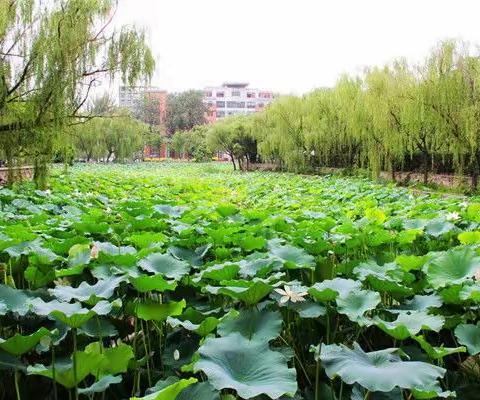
(184, 111)
(51, 56)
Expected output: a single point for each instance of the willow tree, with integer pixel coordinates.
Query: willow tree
(283, 134)
(328, 125)
(51, 56)
(451, 77)
(386, 93)
(469, 140)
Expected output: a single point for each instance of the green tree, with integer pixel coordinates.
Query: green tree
(192, 144)
(51, 56)
(184, 111)
(234, 136)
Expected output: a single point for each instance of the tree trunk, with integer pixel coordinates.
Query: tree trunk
(392, 166)
(474, 181)
(40, 171)
(425, 167)
(475, 172)
(233, 162)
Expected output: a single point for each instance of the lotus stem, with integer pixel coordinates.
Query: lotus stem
(55, 394)
(74, 333)
(17, 388)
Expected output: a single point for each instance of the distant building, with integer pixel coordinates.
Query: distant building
(130, 97)
(233, 99)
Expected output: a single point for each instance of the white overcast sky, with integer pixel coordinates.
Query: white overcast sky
(290, 46)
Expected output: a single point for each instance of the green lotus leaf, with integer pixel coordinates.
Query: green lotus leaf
(410, 262)
(87, 363)
(249, 292)
(115, 360)
(79, 254)
(292, 256)
(410, 324)
(170, 392)
(328, 290)
(420, 303)
(18, 344)
(451, 294)
(164, 264)
(375, 215)
(33, 248)
(220, 272)
(14, 300)
(162, 384)
(408, 236)
(73, 314)
(9, 362)
(112, 250)
(252, 324)
(148, 283)
(258, 264)
(308, 309)
(432, 393)
(199, 391)
(98, 328)
(171, 211)
(203, 328)
(384, 278)
(436, 353)
(250, 243)
(452, 267)
(226, 210)
(193, 320)
(470, 292)
(103, 289)
(438, 227)
(101, 385)
(360, 393)
(149, 311)
(109, 253)
(247, 366)
(473, 212)
(145, 240)
(357, 302)
(469, 336)
(469, 237)
(193, 257)
(381, 370)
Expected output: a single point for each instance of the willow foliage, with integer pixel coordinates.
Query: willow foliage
(51, 56)
(399, 117)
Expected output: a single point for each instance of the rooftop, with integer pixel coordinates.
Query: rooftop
(235, 85)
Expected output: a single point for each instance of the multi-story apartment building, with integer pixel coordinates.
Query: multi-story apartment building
(129, 97)
(233, 99)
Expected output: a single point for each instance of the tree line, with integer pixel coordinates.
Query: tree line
(52, 55)
(400, 117)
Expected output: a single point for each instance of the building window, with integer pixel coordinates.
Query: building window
(220, 104)
(265, 95)
(251, 95)
(236, 93)
(250, 104)
(210, 103)
(220, 94)
(208, 93)
(235, 104)
(260, 105)
(220, 114)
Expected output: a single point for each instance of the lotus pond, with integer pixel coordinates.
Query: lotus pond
(191, 282)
